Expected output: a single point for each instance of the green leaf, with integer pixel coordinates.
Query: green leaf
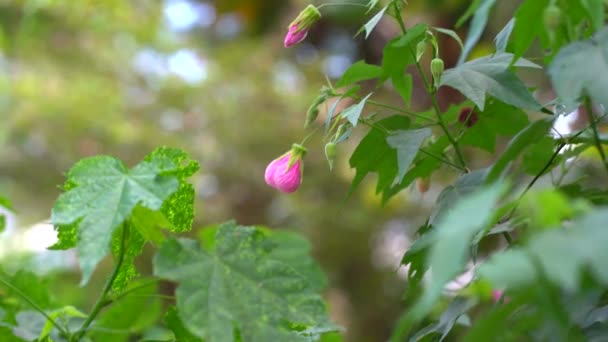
(129, 315)
(101, 194)
(528, 24)
(562, 253)
(181, 333)
(63, 315)
(490, 75)
(404, 84)
(497, 118)
(571, 75)
(374, 154)
(360, 71)
(481, 8)
(457, 308)
(243, 291)
(28, 284)
(133, 245)
(595, 11)
(536, 157)
(400, 52)
(549, 208)
(453, 194)
(533, 133)
(6, 204)
(450, 33)
(407, 143)
(371, 24)
(353, 112)
(502, 38)
(448, 254)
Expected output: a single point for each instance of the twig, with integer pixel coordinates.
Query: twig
(596, 136)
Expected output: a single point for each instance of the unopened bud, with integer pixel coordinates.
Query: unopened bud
(552, 17)
(298, 29)
(420, 50)
(437, 68)
(313, 110)
(330, 154)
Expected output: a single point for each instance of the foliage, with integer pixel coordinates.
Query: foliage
(548, 280)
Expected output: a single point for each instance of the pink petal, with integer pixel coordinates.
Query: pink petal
(288, 181)
(293, 38)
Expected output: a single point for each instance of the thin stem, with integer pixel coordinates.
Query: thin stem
(443, 160)
(131, 290)
(432, 94)
(341, 4)
(596, 135)
(33, 305)
(402, 111)
(103, 301)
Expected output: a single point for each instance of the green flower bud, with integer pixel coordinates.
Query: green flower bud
(313, 110)
(330, 154)
(552, 17)
(420, 49)
(437, 68)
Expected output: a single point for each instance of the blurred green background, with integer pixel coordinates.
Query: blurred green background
(86, 77)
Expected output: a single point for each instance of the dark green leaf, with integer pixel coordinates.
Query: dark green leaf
(181, 333)
(374, 154)
(404, 84)
(481, 8)
(571, 75)
(536, 157)
(243, 289)
(533, 133)
(497, 118)
(407, 143)
(452, 194)
(360, 71)
(458, 307)
(490, 75)
(528, 24)
(595, 11)
(400, 52)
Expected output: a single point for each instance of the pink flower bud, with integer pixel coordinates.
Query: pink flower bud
(298, 29)
(497, 295)
(285, 172)
(294, 36)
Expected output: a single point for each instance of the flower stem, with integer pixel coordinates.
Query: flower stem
(103, 299)
(329, 4)
(432, 94)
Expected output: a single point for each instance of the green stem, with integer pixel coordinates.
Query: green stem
(127, 292)
(443, 160)
(416, 115)
(33, 305)
(341, 4)
(432, 94)
(596, 135)
(103, 300)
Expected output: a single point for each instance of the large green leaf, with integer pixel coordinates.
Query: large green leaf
(562, 253)
(452, 194)
(175, 324)
(572, 74)
(497, 118)
(399, 52)
(240, 288)
(448, 253)
(491, 75)
(101, 194)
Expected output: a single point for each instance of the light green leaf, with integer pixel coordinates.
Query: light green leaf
(457, 308)
(563, 253)
(243, 290)
(573, 78)
(64, 313)
(101, 194)
(371, 24)
(448, 255)
(407, 143)
(6, 204)
(490, 75)
(502, 38)
(595, 11)
(360, 71)
(450, 33)
(453, 194)
(404, 84)
(481, 8)
(533, 133)
(353, 112)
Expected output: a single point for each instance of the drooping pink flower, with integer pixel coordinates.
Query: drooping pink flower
(285, 172)
(294, 36)
(298, 29)
(497, 295)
